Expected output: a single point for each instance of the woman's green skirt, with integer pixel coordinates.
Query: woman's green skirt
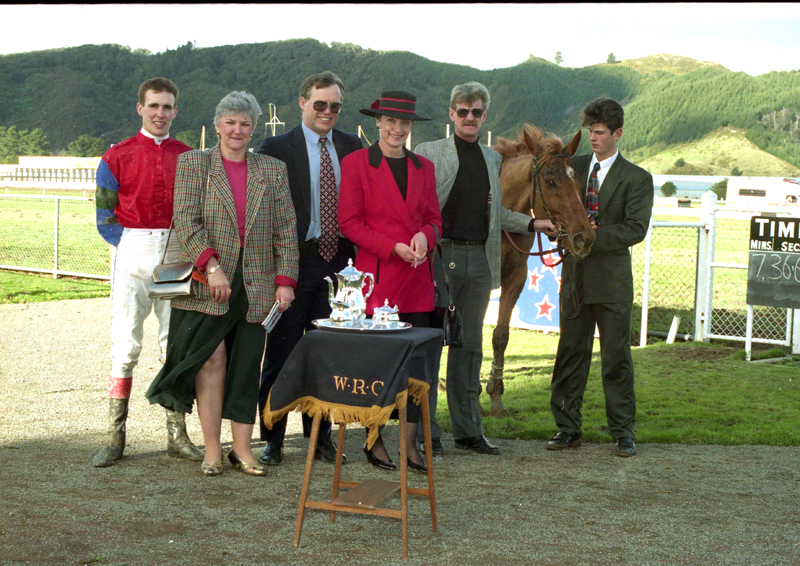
(193, 338)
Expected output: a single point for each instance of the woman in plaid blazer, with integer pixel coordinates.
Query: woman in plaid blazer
(235, 221)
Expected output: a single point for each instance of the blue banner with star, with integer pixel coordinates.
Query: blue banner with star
(537, 306)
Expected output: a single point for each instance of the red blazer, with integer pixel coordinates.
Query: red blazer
(374, 216)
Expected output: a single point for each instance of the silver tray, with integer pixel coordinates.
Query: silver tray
(360, 326)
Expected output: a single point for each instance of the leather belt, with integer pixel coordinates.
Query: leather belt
(465, 242)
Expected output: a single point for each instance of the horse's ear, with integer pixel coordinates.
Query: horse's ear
(528, 140)
(572, 146)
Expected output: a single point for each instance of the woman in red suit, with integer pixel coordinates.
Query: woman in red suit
(388, 208)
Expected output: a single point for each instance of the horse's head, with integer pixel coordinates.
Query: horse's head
(538, 173)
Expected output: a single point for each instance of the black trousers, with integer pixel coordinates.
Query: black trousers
(310, 302)
(574, 358)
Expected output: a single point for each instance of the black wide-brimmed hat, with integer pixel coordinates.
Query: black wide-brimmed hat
(397, 104)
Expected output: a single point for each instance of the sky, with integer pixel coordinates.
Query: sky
(752, 38)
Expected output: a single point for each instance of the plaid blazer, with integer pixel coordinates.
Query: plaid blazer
(444, 155)
(205, 217)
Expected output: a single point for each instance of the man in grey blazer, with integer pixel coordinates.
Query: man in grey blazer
(468, 185)
(599, 289)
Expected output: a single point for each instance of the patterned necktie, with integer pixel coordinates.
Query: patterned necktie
(591, 196)
(328, 209)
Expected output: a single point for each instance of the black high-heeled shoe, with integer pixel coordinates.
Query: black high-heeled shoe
(382, 464)
(414, 467)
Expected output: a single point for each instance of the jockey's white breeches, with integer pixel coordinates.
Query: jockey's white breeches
(138, 254)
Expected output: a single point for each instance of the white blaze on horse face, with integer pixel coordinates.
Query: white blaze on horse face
(570, 172)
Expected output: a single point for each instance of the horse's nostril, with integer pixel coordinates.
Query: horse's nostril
(579, 239)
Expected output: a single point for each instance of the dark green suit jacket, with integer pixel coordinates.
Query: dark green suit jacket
(625, 205)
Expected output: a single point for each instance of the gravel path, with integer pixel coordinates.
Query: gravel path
(672, 504)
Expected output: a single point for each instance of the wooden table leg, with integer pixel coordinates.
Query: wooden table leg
(426, 429)
(404, 479)
(337, 471)
(312, 447)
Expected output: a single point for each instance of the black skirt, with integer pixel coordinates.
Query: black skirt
(193, 338)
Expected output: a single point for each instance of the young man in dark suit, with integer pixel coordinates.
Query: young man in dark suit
(307, 160)
(599, 290)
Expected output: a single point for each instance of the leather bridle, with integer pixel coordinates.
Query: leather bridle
(536, 168)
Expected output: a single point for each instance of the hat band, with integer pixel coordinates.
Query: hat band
(409, 105)
(394, 109)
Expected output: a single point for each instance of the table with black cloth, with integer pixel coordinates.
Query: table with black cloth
(360, 377)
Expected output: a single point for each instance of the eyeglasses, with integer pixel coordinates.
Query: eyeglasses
(321, 105)
(464, 112)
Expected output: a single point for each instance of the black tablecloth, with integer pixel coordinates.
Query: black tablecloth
(356, 377)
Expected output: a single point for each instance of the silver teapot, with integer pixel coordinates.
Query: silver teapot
(347, 302)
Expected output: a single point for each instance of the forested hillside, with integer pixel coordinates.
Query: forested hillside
(91, 90)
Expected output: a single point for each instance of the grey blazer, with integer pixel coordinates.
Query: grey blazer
(445, 158)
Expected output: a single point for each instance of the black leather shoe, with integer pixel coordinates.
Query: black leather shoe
(326, 450)
(272, 455)
(477, 444)
(625, 447)
(382, 464)
(414, 467)
(436, 445)
(563, 440)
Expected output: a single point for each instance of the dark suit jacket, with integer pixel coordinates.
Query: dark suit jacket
(625, 205)
(291, 149)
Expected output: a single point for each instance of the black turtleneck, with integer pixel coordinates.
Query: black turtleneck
(465, 216)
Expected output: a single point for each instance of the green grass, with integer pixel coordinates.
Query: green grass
(16, 287)
(686, 393)
(27, 228)
(691, 393)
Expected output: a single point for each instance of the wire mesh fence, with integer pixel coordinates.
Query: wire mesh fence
(57, 234)
(729, 298)
(52, 234)
(673, 279)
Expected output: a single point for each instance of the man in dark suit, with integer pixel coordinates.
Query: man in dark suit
(599, 289)
(307, 159)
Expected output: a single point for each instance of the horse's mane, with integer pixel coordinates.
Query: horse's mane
(537, 143)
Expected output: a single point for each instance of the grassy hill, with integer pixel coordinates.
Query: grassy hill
(666, 63)
(670, 101)
(717, 154)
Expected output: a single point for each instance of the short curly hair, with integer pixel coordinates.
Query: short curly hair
(603, 111)
(238, 102)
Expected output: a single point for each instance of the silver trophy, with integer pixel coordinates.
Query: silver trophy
(349, 304)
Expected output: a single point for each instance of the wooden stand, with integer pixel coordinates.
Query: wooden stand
(364, 497)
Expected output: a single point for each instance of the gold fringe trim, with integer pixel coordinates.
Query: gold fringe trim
(418, 389)
(369, 417)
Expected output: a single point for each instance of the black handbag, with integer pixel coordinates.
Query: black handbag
(173, 280)
(453, 330)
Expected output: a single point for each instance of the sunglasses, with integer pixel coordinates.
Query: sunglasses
(321, 105)
(464, 112)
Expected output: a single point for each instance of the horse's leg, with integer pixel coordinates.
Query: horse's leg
(513, 276)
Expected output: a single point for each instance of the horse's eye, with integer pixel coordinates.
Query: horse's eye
(550, 183)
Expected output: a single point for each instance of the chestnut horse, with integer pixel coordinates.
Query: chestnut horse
(537, 173)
